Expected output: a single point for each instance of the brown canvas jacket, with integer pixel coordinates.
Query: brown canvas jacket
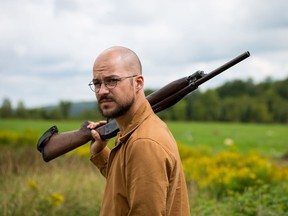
(143, 171)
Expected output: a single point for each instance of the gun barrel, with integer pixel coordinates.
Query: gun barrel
(197, 79)
(222, 68)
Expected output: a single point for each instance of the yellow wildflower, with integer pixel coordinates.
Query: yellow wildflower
(32, 184)
(56, 199)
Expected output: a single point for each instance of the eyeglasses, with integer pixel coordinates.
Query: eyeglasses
(109, 83)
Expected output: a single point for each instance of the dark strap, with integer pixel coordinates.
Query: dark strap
(45, 137)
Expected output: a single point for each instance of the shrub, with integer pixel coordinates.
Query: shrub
(229, 171)
(8, 137)
(16, 138)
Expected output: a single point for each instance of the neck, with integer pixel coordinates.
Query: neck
(124, 120)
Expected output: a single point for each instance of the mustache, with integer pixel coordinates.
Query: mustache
(105, 97)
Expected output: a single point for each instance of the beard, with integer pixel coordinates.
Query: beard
(121, 109)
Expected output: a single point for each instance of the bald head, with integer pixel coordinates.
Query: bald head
(119, 69)
(120, 56)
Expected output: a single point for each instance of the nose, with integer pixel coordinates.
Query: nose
(103, 89)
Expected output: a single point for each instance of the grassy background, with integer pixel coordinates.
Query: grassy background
(267, 139)
(67, 186)
(71, 185)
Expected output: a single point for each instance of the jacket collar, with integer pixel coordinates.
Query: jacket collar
(142, 113)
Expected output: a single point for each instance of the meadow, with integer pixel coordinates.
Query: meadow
(231, 169)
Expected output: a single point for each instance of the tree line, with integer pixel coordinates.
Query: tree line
(234, 101)
(61, 111)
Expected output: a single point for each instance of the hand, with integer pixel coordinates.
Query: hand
(98, 145)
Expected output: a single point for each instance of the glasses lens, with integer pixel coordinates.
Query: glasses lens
(111, 83)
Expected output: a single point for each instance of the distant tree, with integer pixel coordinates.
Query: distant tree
(65, 107)
(259, 112)
(206, 107)
(190, 100)
(232, 109)
(281, 87)
(264, 86)
(179, 111)
(38, 113)
(92, 115)
(21, 111)
(55, 113)
(278, 107)
(6, 109)
(237, 88)
(281, 113)
(166, 114)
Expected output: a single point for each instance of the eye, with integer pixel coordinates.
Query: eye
(97, 83)
(111, 81)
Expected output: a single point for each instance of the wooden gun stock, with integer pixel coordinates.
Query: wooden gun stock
(53, 144)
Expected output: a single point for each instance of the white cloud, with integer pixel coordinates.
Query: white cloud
(56, 42)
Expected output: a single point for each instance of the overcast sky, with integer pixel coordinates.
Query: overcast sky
(47, 48)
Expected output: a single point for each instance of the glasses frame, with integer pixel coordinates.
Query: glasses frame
(107, 85)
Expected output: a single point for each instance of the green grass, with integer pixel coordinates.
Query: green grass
(19, 125)
(267, 139)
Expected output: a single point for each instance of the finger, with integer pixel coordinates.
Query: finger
(93, 125)
(102, 122)
(99, 122)
(95, 134)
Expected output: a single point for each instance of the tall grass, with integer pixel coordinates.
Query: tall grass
(71, 185)
(67, 186)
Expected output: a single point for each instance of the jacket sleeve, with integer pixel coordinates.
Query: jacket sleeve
(100, 160)
(149, 168)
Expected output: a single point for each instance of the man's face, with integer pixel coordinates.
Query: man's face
(113, 102)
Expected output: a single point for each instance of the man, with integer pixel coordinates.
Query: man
(143, 171)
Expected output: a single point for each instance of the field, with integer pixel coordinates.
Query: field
(250, 177)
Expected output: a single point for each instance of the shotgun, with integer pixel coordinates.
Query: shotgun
(52, 144)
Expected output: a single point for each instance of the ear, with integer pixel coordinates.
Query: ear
(139, 82)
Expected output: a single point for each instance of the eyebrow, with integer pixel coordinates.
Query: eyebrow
(108, 77)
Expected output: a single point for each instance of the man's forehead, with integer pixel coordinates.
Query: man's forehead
(107, 70)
